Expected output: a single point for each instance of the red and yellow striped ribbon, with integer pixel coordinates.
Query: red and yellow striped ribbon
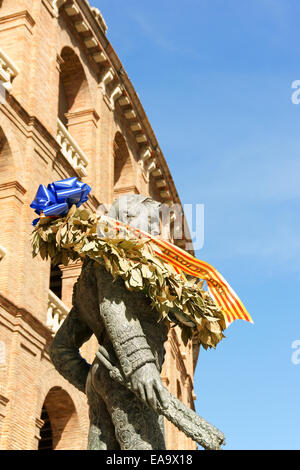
(223, 294)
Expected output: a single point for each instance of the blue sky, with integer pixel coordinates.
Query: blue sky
(215, 78)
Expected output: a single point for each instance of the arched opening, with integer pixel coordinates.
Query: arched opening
(61, 429)
(56, 281)
(124, 178)
(73, 86)
(46, 441)
(74, 101)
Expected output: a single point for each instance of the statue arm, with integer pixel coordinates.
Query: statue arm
(64, 350)
(118, 312)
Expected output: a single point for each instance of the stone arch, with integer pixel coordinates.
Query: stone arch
(49, 381)
(63, 428)
(74, 93)
(124, 174)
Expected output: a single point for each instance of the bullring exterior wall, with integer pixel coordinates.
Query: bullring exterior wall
(67, 108)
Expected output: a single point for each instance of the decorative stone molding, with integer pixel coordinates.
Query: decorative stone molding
(81, 116)
(130, 114)
(18, 19)
(8, 70)
(57, 312)
(2, 254)
(165, 194)
(51, 6)
(136, 126)
(125, 190)
(161, 183)
(70, 150)
(109, 76)
(116, 93)
(71, 9)
(141, 138)
(12, 189)
(124, 101)
(147, 170)
(146, 153)
(99, 57)
(90, 42)
(157, 172)
(99, 17)
(151, 167)
(81, 26)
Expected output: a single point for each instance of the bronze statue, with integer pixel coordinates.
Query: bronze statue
(125, 394)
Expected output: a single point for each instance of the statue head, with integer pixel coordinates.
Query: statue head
(139, 211)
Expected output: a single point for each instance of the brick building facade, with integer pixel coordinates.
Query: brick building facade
(67, 108)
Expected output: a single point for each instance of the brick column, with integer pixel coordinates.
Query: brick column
(16, 40)
(70, 275)
(11, 205)
(82, 126)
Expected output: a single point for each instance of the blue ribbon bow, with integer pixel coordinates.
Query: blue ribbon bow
(58, 197)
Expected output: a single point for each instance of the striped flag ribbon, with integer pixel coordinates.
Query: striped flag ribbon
(223, 294)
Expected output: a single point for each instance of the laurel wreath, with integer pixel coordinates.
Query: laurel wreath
(180, 301)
